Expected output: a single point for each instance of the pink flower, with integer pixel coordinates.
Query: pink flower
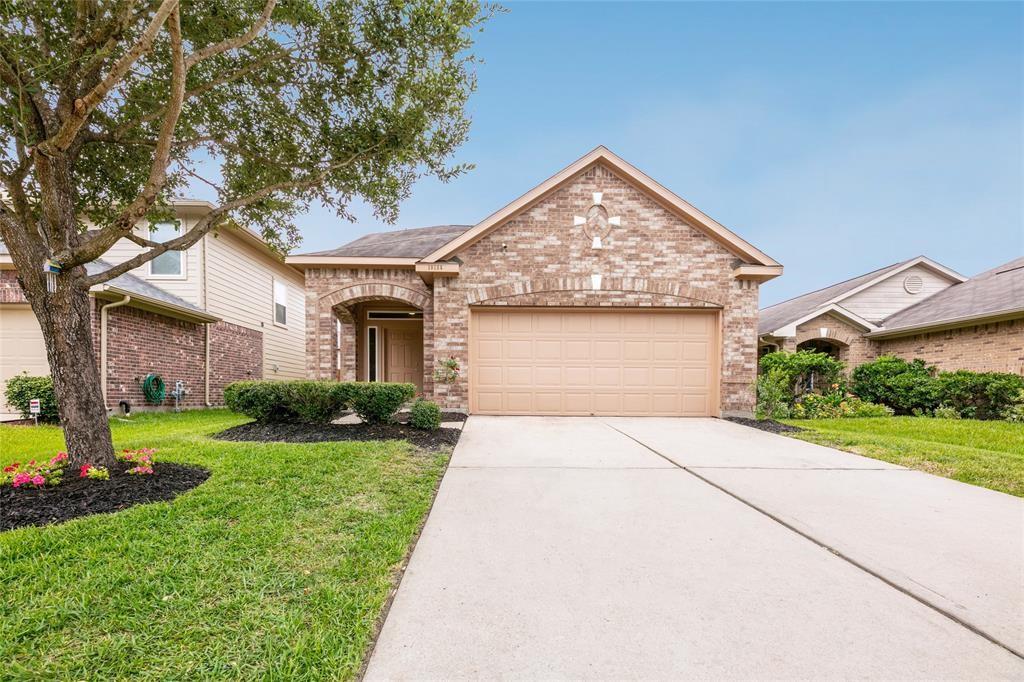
(83, 471)
(21, 479)
(38, 480)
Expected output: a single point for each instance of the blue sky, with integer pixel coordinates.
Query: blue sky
(837, 137)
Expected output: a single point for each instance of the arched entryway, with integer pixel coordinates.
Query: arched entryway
(831, 347)
(378, 333)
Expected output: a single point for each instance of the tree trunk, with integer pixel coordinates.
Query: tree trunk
(66, 321)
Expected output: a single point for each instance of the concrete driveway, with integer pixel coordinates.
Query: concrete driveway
(671, 548)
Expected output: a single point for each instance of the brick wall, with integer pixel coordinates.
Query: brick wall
(996, 347)
(10, 290)
(653, 259)
(854, 349)
(236, 354)
(140, 342)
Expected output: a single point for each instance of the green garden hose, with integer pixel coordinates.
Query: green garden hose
(153, 388)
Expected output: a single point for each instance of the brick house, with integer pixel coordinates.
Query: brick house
(597, 292)
(228, 308)
(914, 309)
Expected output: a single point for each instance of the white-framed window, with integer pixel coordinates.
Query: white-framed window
(169, 264)
(372, 354)
(280, 303)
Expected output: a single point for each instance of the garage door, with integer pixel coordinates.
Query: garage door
(594, 362)
(21, 349)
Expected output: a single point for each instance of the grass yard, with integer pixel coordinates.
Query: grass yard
(985, 453)
(277, 567)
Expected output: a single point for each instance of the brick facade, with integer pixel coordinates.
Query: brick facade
(995, 347)
(10, 290)
(236, 354)
(140, 342)
(539, 258)
(854, 349)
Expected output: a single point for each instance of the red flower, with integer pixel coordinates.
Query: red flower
(83, 471)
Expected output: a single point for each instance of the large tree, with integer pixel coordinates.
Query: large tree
(107, 109)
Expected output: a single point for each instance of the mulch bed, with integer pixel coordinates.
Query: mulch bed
(322, 433)
(769, 425)
(76, 497)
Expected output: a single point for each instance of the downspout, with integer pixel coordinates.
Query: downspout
(206, 368)
(103, 344)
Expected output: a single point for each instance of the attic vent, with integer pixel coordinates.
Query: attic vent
(913, 284)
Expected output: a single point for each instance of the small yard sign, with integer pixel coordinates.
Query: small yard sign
(33, 406)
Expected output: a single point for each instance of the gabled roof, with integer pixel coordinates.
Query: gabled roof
(411, 243)
(746, 251)
(994, 293)
(811, 304)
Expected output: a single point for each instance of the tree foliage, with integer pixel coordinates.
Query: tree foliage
(110, 108)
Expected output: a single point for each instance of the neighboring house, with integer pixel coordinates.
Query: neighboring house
(914, 309)
(598, 292)
(228, 308)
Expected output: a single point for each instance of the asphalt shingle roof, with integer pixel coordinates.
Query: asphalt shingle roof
(136, 285)
(994, 291)
(781, 314)
(417, 242)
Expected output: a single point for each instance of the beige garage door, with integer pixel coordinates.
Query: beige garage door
(594, 362)
(21, 349)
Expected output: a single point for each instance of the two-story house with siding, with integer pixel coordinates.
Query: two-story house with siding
(228, 308)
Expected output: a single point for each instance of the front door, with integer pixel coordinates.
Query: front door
(404, 354)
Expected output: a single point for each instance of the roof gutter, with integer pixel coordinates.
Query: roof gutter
(177, 310)
(951, 323)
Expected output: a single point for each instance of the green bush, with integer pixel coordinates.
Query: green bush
(22, 389)
(308, 402)
(1015, 413)
(946, 412)
(425, 414)
(980, 395)
(773, 394)
(377, 402)
(837, 406)
(805, 370)
(906, 387)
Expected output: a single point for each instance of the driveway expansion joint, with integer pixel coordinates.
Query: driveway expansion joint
(836, 552)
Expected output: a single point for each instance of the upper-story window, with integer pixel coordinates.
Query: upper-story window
(168, 263)
(280, 303)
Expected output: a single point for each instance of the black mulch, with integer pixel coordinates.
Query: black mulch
(769, 425)
(322, 433)
(75, 496)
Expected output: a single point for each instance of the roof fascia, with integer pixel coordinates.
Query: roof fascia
(949, 323)
(352, 261)
(789, 329)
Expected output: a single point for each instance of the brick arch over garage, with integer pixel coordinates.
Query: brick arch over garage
(343, 299)
(686, 293)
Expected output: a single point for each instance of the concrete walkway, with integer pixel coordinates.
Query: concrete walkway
(669, 548)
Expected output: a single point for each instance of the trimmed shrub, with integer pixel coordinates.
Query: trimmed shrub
(307, 402)
(377, 402)
(980, 395)
(1015, 413)
(805, 370)
(773, 395)
(906, 387)
(264, 401)
(946, 412)
(836, 406)
(22, 389)
(425, 414)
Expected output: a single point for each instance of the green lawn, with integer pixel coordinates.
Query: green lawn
(985, 453)
(277, 567)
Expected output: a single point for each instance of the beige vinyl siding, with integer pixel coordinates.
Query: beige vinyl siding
(189, 287)
(240, 289)
(888, 296)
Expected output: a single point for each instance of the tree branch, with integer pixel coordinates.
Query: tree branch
(98, 244)
(83, 106)
(236, 42)
(213, 218)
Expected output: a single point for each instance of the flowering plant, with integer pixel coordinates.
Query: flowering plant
(448, 371)
(94, 472)
(34, 474)
(143, 459)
